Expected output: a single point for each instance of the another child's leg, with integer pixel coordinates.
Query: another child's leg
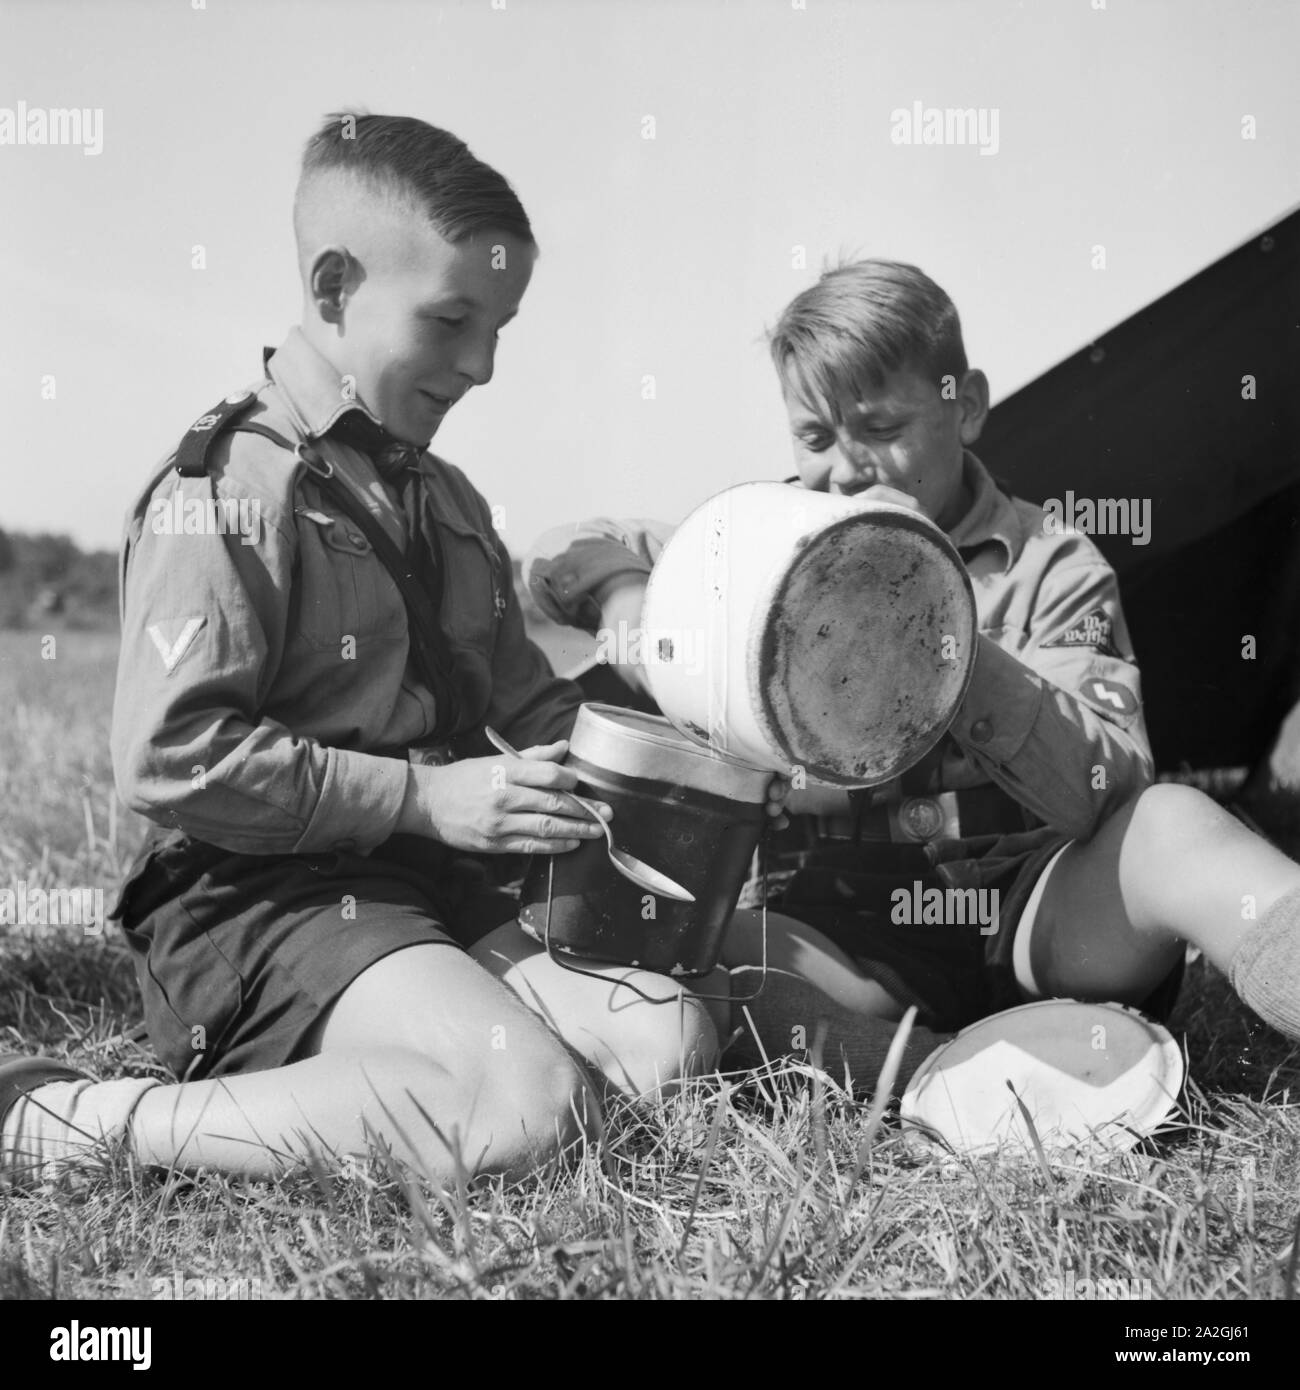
(812, 988)
(1169, 867)
(797, 949)
(423, 1038)
(638, 1046)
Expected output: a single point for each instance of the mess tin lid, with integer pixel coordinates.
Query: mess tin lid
(1090, 1076)
(633, 744)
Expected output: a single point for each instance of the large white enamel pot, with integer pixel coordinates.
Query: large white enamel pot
(798, 629)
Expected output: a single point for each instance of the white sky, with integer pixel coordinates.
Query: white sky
(666, 257)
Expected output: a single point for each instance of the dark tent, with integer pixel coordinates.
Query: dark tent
(1161, 408)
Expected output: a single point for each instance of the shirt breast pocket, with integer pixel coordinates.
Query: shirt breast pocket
(344, 590)
(474, 601)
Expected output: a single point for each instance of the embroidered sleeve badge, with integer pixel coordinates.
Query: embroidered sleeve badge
(173, 644)
(1094, 630)
(1111, 694)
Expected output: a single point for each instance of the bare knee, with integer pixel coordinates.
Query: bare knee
(1169, 820)
(642, 1032)
(510, 1110)
(645, 1043)
(640, 1045)
(541, 1095)
(655, 1046)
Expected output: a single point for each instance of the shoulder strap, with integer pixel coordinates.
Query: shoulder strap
(191, 457)
(422, 611)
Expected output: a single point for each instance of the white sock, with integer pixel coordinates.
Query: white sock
(65, 1120)
(1265, 971)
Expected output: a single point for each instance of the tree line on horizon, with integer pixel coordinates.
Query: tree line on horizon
(48, 580)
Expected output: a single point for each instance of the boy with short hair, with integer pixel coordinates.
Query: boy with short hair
(1040, 791)
(300, 707)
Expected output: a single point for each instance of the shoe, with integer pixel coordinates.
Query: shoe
(18, 1075)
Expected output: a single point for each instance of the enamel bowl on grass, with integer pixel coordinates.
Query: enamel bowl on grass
(1084, 1076)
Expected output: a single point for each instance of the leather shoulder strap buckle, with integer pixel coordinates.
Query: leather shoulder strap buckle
(313, 461)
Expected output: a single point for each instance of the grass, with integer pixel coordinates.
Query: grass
(751, 1186)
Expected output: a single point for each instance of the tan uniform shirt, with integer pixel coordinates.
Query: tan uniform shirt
(1053, 715)
(264, 699)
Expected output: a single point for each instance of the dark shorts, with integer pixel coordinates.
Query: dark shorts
(955, 971)
(237, 955)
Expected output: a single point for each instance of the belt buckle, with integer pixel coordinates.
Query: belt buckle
(921, 819)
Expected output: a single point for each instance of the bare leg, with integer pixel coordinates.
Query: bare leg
(812, 990)
(638, 1047)
(1167, 868)
(423, 1049)
(797, 949)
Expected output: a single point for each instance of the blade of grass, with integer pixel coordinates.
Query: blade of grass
(884, 1093)
(710, 1144)
(1033, 1136)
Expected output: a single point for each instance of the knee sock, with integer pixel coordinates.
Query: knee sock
(65, 1120)
(1265, 970)
(854, 1040)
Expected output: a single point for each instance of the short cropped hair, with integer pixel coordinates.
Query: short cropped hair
(859, 322)
(432, 168)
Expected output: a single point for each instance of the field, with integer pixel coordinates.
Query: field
(776, 1184)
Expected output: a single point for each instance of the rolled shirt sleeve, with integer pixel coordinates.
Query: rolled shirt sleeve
(1058, 723)
(567, 565)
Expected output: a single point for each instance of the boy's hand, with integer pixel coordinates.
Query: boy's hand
(777, 791)
(819, 801)
(499, 805)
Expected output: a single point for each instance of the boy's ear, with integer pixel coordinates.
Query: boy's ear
(973, 401)
(330, 280)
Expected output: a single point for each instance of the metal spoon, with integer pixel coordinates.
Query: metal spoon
(627, 864)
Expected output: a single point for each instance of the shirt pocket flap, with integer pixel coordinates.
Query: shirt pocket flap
(466, 531)
(338, 532)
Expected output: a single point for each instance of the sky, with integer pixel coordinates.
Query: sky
(635, 381)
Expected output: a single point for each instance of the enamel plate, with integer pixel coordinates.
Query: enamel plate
(1090, 1075)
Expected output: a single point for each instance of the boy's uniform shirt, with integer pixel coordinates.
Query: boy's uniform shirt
(265, 702)
(1053, 714)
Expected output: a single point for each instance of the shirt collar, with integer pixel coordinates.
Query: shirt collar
(991, 517)
(315, 391)
(316, 394)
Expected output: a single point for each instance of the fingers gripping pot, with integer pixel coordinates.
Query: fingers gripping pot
(694, 813)
(799, 629)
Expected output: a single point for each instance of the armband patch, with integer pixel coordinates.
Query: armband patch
(1110, 694)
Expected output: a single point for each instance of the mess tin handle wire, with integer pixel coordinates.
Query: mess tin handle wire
(559, 957)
